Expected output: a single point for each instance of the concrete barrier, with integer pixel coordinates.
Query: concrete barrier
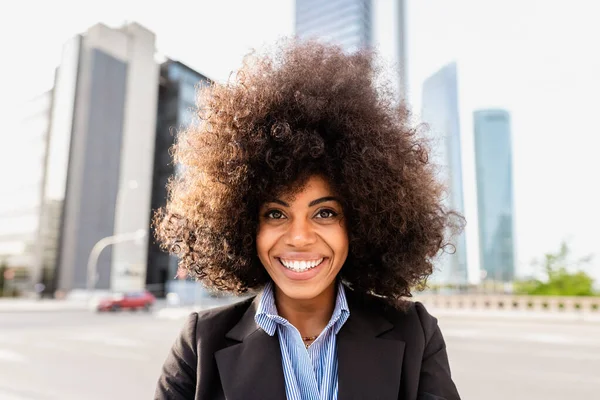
(512, 303)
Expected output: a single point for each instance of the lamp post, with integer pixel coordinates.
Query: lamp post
(92, 264)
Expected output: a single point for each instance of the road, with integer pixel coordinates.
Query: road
(500, 359)
(81, 355)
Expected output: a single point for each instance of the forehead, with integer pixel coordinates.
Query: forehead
(314, 187)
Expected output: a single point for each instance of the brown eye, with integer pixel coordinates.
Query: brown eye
(326, 213)
(274, 214)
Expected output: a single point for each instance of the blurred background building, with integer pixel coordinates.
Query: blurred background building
(441, 112)
(176, 105)
(101, 138)
(100, 156)
(347, 22)
(493, 160)
(359, 24)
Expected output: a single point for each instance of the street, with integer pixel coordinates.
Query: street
(82, 355)
(501, 359)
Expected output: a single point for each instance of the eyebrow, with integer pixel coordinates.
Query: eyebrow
(311, 204)
(323, 200)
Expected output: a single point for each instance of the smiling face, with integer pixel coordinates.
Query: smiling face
(302, 240)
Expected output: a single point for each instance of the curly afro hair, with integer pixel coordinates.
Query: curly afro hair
(305, 109)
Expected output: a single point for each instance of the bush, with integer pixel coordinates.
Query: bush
(560, 281)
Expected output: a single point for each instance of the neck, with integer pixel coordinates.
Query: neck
(309, 316)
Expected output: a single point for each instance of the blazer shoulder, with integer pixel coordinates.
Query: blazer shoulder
(417, 314)
(216, 322)
(405, 315)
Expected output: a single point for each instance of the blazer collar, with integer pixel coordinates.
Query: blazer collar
(252, 367)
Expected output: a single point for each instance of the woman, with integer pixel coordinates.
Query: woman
(304, 181)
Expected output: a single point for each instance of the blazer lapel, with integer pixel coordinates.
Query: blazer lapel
(252, 368)
(369, 366)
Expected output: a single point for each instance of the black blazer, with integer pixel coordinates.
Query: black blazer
(383, 354)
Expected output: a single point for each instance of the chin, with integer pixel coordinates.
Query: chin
(300, 292)
(306, 290)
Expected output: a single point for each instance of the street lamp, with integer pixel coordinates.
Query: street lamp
(92, 264)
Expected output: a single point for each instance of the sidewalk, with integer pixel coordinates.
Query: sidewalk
(180, 312)
(32, 305)
(516, 315)
(161, 308)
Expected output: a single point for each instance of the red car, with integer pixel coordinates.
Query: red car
(132, 300)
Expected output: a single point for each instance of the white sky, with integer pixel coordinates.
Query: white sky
(538, 59)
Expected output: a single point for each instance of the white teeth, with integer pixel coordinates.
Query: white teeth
(300, 266)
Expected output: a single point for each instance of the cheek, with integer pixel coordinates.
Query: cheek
(343, 245)
(265, 239)
(339, 241)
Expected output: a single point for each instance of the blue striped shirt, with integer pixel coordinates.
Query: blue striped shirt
(310, 374)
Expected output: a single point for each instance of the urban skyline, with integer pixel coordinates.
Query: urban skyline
(472, 33)
(487, 80)
(74, 203)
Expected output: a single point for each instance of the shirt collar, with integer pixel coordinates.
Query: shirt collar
(268, 318)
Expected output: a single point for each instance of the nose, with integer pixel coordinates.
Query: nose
(300, 233)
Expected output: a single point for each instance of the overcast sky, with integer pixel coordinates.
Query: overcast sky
(537, 59)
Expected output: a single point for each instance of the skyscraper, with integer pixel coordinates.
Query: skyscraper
(493, 161)
(358, 24)
(345, 22)
(441, 112)
(113, 118)
(100, 158)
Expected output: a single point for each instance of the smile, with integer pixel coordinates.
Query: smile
(301, 265)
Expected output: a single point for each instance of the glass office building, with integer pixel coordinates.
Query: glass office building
(441, 112)
(101, 164)
(493, 162)
(345, 22)
(359, 24)
(98, 172)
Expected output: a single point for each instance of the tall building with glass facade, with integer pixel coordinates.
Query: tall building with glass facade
(359, 24)
(493, 162)
(440, 111)
(100, 158)
(98, 145)
(345, 22)
(176, 110)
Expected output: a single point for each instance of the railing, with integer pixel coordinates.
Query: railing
(512, 303)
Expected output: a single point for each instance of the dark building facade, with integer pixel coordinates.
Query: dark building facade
(176, 110)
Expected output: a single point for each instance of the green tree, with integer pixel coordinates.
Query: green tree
(560, 281)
